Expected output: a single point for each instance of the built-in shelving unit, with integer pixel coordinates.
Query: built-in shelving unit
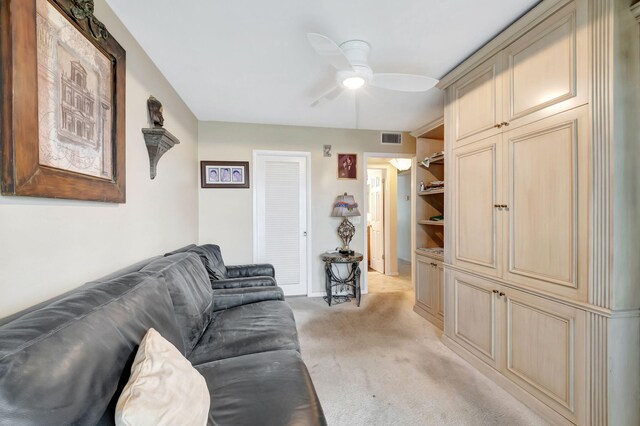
(429, 248)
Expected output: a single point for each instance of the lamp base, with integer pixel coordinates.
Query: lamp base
(346, 252)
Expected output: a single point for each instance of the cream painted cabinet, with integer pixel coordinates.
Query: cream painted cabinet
(477, 102)
(541, 73)
(545, 350)
(546, 218)
(536, 343)
(519, 210)
(476, 191)
(429, 288)
(545, 71)
(541, 293)
(475, 316)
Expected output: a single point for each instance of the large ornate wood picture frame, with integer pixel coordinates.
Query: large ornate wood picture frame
(63, 102)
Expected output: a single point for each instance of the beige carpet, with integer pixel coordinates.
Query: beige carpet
(383, 364)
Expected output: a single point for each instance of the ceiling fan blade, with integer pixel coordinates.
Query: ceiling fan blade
(329, 50)
(403, 82)
(329, 95)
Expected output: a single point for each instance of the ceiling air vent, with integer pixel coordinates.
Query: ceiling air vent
(391, 138)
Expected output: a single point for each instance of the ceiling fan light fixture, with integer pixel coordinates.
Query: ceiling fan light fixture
(353, 83)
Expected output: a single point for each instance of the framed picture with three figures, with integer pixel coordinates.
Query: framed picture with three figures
(224, 174)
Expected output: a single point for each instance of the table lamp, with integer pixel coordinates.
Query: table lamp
(345, 207)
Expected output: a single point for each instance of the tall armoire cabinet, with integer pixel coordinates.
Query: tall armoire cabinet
(542, 210)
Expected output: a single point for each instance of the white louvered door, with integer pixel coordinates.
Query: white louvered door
(280, 182)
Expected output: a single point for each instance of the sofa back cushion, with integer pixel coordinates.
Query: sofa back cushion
(211, 258)
(190, 291)
(67, 362)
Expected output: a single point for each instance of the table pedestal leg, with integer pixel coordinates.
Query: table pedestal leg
(327, 282)
(357, 284)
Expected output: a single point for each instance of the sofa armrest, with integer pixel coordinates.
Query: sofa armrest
(231, 297)
(244, 282)
(239, 271)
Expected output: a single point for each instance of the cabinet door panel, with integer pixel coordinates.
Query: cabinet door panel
(477, 224)
(424, 284)
(440, 287)
(544, 350)
(475, 317)
(478, 102)
(542, 68)
(547, 213)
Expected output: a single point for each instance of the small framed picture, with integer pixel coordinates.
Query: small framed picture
(347, 166)
(326, 150)
(224, 174)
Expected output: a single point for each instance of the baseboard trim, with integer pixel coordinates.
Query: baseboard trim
(428, 316)
(537, 406)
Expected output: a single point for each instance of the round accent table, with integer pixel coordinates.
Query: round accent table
(333, 278)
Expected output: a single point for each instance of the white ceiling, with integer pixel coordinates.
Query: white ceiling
(249, 60)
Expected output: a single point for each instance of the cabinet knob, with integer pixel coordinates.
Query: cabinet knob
(505, 124)
(494, 291)
(500, 294)
(497, 126)
(434, 265)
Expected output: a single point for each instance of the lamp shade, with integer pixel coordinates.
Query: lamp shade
(345, 206)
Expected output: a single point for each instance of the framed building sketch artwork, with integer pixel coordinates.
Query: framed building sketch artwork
(347, 166)
(66, 134)
(224, 174)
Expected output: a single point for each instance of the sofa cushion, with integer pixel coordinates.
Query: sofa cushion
(211, 258)
(257, 327)
(190, 291)
(227, 298)
(245, 282)
(163, 389)
(270, 388)
(67, 362)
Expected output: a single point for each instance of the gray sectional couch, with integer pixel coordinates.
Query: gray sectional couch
(66, 361)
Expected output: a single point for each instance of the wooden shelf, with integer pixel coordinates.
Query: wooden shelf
(431, 222)
(437, 191)
(440, 161)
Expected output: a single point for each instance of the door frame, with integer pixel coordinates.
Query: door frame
(365, 263)
(307, 155)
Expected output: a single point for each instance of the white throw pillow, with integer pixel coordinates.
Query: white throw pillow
(163, 389)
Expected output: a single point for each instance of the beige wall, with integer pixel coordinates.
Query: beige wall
(50, 246)
(226, 215)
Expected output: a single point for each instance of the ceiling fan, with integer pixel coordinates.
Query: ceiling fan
(353, 71)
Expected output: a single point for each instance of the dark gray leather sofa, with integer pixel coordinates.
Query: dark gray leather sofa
(66, 361)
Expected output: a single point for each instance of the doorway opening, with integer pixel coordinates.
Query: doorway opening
(388, 225)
